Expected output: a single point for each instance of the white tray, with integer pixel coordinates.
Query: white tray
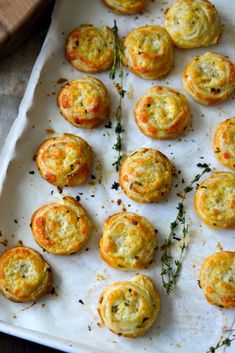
(187, 323)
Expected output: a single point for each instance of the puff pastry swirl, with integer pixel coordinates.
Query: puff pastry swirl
(129, 308)
(215, 200)
(85, 102)
(162, 113)
(24, 275)
(128, 241)
(65, 160)
(126, 7)
(193, 23)
(146, 175)
(148, 52)
(90, 49)
(224, 143)
(209, 78)
(217, 279)
(61, 228)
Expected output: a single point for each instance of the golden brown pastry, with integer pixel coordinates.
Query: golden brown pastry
(24, 275)
(224, 143)
(215, 200)
(148, 52)
(85, 102)
(128, 241)
(126, 7)
(146, 175)
(129, 308)
(193, 23)
(210, 78)
(162, 113)
(65, 160)
(61, 228)
(217, 279)
(90, 49)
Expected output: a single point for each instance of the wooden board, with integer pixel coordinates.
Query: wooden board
(17, 19)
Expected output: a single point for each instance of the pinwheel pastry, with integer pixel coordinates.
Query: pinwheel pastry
(85, 102)
(162, 113)
(217, 279)
(193, 23)
(210, 78)
(90, 49)
(128, 241)
(61, 228)
(126, 7)
(129, 308)
(215, 200)
(24, 274)
(65, 160)
(146, 175)
(148, 52)
(224, 143)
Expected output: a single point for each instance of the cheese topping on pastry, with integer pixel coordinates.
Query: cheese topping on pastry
(162, 113)
(126, 7)
(128, 241)
(215, 200)
(24, 274)
(146, 175)
(210, 78)
(193, 23)
(224, 143)
(90, 49)
(129, 308)
(62, 227)
(65, 160)
(217, 279)
(148, 52)
(85, 102)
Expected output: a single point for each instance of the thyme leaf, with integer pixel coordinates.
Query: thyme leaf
(117, 66)
(170, 267)
(226, 342)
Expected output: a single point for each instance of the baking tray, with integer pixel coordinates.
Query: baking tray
(186, 321)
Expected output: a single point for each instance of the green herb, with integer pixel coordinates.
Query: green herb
(117, 66)
(171, 267)
(114, 308)
(222, 343)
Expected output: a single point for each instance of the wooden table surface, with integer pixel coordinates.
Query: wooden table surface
(15, 70)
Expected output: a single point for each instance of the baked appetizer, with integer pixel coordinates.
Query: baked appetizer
(65, 160)
(61, 228)
(146, 175)
(128, 241)
(224, 143)
(90, 49)
(210, 78)
(162, 113)
(126, 7)
(24, 275)
(217, 279)
(148, 52)
(85, 102)
(193, 23)
(215, 200)
(129, 308)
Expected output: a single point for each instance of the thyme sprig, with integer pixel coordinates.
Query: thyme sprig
(117, 66)
(171, 267)
(226, 342)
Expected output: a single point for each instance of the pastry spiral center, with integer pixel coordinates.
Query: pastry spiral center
(22, 271)
(192, 21)
(221, 201)
(61, 224)
(63, 157)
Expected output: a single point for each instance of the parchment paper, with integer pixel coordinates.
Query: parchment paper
(187, 323)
